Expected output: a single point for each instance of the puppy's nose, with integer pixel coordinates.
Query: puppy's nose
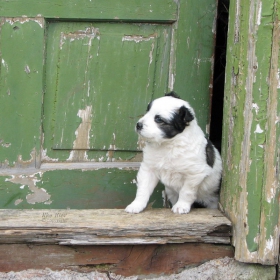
(139, 126)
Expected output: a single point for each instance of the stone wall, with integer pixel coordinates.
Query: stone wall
(218, 269)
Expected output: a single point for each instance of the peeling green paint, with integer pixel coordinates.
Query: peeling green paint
(100, 81)
(194, 32)
(250, 144)
(74, 189)
(262, 41)
(21, 91)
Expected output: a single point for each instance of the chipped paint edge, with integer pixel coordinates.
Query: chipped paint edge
(24, 19)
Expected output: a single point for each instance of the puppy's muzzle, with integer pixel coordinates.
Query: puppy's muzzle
(139, 126)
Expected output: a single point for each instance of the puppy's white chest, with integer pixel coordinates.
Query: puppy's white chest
(172, 180)
(166, 161)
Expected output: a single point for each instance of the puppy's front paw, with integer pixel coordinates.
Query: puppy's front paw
(135, 207)
(181, 208)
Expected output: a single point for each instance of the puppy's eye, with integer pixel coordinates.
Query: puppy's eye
(158, 119)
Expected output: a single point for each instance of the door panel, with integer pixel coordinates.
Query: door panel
(100, 76)
(72, 189)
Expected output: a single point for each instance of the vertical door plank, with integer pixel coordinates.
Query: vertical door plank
(191, 65)
(21, 79)
(269, 223)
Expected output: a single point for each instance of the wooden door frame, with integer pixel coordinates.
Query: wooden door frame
(250, 148)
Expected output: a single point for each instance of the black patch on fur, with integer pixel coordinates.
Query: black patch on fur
(173, 94)
(197, 204)
(149, 106)
(185, 115)
(210, 153)
(177, 124)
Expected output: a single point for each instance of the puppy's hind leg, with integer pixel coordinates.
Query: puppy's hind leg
(171, 195)
(211, 201)
(188, 194)
(146, 182)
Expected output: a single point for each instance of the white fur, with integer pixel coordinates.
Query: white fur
(179, 163)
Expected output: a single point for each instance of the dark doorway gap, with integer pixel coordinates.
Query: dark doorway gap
(219, 74)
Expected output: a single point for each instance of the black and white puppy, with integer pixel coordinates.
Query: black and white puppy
(176, 153)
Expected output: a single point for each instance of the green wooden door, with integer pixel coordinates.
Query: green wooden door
(75, 77)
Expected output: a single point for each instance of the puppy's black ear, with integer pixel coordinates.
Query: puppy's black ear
(185, 115)
(182, 118)
(173, 94)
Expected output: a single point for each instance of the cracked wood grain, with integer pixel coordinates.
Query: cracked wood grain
(107, 227)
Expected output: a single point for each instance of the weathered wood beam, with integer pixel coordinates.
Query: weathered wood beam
(113, 226)
(250, 190)
(122, 260)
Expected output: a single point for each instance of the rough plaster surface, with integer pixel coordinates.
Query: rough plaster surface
(220, 269)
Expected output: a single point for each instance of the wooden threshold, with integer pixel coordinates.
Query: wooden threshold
(113, 227)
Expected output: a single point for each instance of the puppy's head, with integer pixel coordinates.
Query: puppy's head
(166, 117)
